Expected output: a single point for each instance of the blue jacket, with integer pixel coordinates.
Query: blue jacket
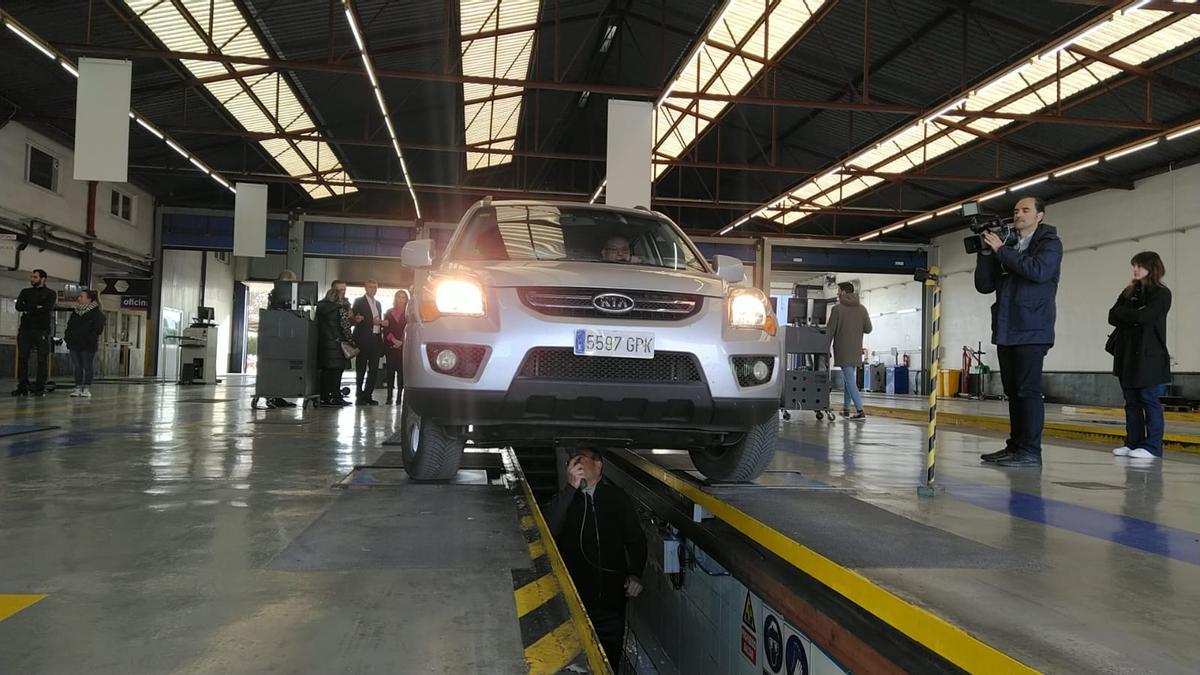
(1025, 285)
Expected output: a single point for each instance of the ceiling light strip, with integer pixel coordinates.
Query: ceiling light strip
(1171, 134)
(71, 69)
(906, 148)
(352, 19)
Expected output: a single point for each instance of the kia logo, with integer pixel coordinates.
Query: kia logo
(613, 303)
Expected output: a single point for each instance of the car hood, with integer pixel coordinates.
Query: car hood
(615, 276)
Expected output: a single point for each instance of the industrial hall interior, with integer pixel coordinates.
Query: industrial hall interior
(656, 337)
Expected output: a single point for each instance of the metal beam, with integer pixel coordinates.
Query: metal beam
(1160, 5)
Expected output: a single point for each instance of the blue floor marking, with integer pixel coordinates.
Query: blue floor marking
(1170, 542)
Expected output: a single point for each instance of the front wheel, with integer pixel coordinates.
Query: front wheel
(429, 451)
(741, 461)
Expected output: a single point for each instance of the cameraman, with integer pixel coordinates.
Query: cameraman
(1024, 278)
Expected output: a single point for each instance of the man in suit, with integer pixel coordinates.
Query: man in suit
(368, 335)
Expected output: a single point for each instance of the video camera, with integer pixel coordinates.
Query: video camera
(980, 222)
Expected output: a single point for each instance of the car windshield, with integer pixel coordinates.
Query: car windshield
(543, 232)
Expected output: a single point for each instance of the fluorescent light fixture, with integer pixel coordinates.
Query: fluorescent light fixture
(872, 235)
(596, 194)
(742, 221)
(146, 125)
(949, 209)
(920, 219)
(370, 72)
(609, 34)
(232, 189)
(1030, 182)
(725, 231)
(1070, 41)
(993, 195)
(945, 110)
(199, 165)
(1136, 6)
(1183, 132)
(222, 181)
(358, 38)
(1077, 167)
(379, 100)
(892, 228)
(175, 146)
(29, 38)
(910, 310)
(69, 68)
(1128, 151)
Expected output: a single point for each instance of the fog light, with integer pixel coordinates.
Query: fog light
(446, 360)
(761, 371)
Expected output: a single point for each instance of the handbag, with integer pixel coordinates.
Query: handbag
(349, 350)
(1110, 345)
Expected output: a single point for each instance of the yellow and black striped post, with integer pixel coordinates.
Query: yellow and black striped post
(931, 278)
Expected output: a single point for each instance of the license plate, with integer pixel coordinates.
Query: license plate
(591, 342)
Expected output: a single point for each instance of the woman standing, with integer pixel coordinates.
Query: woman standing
(333, 331)
(1141, 360)
(393, 344)
(848, 322)
(83, 340)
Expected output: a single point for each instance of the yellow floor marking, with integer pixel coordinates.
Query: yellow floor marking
(536, 550)
(535, 594)
(11, 604)
(554, 651)
(527, 523)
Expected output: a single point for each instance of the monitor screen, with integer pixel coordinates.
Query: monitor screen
(205, 313)
(305, 293)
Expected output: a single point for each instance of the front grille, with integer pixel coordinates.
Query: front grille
(743, 367)
(561, 363)
(577, 302)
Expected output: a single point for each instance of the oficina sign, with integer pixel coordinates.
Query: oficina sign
(135, 302)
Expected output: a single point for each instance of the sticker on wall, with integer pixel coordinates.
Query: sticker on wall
(748, 613)
(749, 635)
(795, 655)
(772, 642)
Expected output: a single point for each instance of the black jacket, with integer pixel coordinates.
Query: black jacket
(330, 334)
(599, 561)
(36, 306)
(1140, 355)
(363, 333)
(1025, 285)
(83, 330)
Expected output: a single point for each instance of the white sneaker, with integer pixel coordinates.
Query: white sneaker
(1142, 453)
(87, 392)
(1122, 451)
(77, 391)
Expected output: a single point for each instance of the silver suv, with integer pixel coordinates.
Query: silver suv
(564, 324)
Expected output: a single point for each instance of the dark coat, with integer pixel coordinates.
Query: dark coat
(619, 547)
(83, 330)
(1025, 285)
(330, 334)
(362, 330)
(36, 306)
(1140, 355)
(848, 322)
(394, 333)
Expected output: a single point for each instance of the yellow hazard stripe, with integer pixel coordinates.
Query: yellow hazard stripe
(554, 651)
(11, 604)
(1180, 442)
(535, 594)
(939, 635)
(580, 627)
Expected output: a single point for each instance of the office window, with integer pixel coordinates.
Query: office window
(41, 168)
(121, 206)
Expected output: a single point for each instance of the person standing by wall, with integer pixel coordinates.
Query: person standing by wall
(393, 345)
(36, 306)
(333, 330)
(1141, 360)
(368, 336)
(848, 323)
(83, 340)
(1024, 276)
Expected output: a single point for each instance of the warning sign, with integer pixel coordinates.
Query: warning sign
(772, 642)
(748, 614)
(749, 646)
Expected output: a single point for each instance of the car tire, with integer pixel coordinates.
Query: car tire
(742, 461)
(428, 450)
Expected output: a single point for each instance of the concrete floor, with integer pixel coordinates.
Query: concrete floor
(1103, 569)
(179, 536)
(158, 529)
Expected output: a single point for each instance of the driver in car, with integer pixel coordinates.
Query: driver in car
(616, 249)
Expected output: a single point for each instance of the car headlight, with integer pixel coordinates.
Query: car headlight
(749, 308)
(452, 296)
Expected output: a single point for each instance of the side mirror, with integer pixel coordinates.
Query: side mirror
(417, 253)
(730, 269)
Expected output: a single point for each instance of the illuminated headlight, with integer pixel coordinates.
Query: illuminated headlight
(446, 360)
(458, 297)
(749, 308)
